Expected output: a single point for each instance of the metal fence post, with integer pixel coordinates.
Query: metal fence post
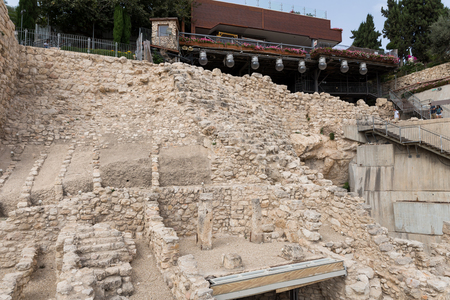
(89, 45)
(59, 36)
(116, 49)
(26, 33)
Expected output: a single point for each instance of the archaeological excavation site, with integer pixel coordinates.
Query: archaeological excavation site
(123, 179)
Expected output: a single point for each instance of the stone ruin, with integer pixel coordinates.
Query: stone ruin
(99, 154)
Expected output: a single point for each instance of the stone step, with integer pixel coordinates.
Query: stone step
(105, 258)
(95, 240)
(102, 247)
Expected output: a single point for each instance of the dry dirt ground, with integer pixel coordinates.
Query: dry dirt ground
(254, 256)
(42, 285)
(147, 279)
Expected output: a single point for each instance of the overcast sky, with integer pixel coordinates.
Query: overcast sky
(345, 14)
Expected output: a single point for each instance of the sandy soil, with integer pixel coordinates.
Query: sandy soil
(254, 256)
(147, 279)
(42, 285)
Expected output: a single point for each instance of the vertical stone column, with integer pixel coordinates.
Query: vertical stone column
(256, 235)
(155, 165)
(205, 221)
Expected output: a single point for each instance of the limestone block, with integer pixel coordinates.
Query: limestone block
(386, 247)
(437, 285)
(311, 236)
(312, 215)
(380, 239)
(361, 287)
(292, 252)
(368, 271)
(64, 287)
(111, 283)
(232, 261)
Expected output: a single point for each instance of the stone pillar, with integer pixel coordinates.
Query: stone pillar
(205, 221)
(256, 235)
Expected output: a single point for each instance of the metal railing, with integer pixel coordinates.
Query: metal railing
(275, 5)
(397, 101)
(419, 108)
(239, 41)
(75, 43)
(365, 50)
(411, 134)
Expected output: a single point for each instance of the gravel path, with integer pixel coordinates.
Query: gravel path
(147, 279)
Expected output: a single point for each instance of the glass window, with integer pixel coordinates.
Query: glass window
(162, 30)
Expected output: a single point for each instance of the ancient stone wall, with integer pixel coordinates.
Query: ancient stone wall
(123, 209)
(13, 283)
(181, 273)
(9, 63)
(433, 73)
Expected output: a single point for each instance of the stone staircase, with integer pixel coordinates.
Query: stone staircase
(94, 261)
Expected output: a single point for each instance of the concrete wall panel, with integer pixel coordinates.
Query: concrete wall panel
(425, 218)
(375, 155)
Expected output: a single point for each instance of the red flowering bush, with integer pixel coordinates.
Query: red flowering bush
(316, 53)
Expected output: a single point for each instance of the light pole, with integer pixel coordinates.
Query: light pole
(21, 21)
(21, 18)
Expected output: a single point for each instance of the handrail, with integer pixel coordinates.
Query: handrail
(405, 134)
(240, 42)
(416, 106)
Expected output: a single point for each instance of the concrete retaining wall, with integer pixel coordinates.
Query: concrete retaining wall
(394, 182)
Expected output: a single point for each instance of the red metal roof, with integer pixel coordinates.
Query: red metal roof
(207, 14)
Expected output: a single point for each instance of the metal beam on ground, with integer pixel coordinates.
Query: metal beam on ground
(285, 278)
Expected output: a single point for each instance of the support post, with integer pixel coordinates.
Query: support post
(205, 221)
(257, 233)
(116, 50)
(89, 45)
(316, 81)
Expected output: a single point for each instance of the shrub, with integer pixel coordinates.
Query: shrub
(346, 186)
(332, 136)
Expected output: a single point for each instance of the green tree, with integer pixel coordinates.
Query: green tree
(27, 13)
(126, 28)
(440, 36)
(407, 25)
(118, 23)
(12, 14)
(366, 36)
(78, 16)
(422, 15)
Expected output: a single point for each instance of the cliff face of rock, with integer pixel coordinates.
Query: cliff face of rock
(329, 157)
(320, 143)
